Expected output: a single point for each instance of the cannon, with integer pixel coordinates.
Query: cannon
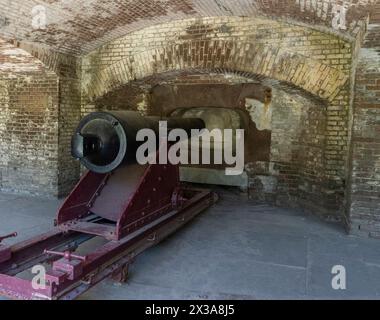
(130, 206)
(116, 188)
(104, 141)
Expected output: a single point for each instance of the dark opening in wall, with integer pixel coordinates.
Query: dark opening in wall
(285, 135)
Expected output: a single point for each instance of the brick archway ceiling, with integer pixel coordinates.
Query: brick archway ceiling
(290, 68)
(79, 27)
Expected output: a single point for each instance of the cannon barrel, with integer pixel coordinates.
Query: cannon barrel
(104, 141)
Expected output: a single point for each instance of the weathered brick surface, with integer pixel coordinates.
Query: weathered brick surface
(364, 188)
(15, 61)
(309, 59)
(298, 152)
(40, 105)
(87, 24)
(28, 131)
(69, 117)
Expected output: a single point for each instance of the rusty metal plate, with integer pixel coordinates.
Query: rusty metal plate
(121, 185)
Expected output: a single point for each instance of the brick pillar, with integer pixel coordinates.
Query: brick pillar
(364, 193)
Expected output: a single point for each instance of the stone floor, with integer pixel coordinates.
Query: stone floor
(235, 250)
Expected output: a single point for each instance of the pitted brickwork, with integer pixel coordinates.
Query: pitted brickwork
(15, 61)
(364, 189)
(82, 26)
(195, 56)
(69, 116)
(40, 105)
(316, 62)
(28, 131)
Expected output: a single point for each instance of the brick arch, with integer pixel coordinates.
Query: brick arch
(16, 60)
(263, 61)
(61, 64)
(23, 57)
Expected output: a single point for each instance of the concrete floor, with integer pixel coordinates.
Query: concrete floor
(235, 250)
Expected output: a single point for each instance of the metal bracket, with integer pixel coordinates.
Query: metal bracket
(70, 266)
(68, 255)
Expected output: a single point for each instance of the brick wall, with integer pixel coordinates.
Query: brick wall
(298, 153)
(39, 106)
(364, 188)
(69, 117)
(100, 21)
(68, 68)
(259, 46)
(28, 131)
